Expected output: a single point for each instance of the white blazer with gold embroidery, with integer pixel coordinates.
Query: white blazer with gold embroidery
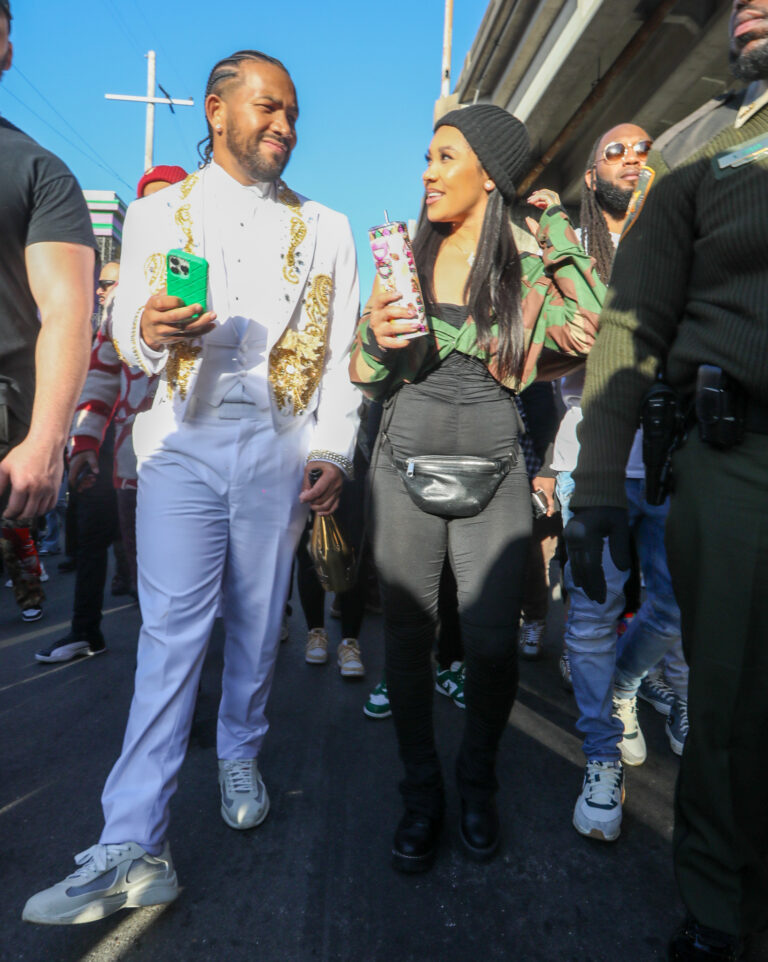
(307, 349)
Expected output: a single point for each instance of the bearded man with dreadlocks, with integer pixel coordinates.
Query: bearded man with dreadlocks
(606, 686)
(253, 398)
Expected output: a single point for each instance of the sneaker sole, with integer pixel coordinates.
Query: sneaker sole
(596, 833)
(244, 828)
(157, 893)
(35, 617)
(66, 653)
(676, 746)
(316, 659)
(376, 714)
(593, 831)
(352, 672)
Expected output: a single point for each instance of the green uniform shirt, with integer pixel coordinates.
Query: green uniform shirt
(561, 300)
(689, 286)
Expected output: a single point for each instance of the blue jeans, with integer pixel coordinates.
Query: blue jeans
(590, 631)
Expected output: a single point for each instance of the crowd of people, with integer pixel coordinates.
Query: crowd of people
(203, 433)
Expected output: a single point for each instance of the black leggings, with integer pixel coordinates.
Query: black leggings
(488, 555)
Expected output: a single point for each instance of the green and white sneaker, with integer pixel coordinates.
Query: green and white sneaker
(377, 705)
(110, 878)
(450, 682)
(632, 745)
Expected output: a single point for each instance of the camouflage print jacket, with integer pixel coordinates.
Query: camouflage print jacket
(562, 297)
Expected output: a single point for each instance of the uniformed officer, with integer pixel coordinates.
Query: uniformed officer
(689, 296)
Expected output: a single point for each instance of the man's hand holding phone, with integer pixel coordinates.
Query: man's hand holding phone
(167, 319)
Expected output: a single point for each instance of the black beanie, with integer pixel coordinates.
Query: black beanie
(499, 140)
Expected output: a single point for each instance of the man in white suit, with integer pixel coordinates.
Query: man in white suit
(253, 396)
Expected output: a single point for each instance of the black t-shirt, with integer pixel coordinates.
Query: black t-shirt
(40, 200)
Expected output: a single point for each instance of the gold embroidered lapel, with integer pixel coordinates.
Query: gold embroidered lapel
(183, 355)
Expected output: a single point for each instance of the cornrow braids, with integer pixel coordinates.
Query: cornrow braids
(224, 70)
(595, 236)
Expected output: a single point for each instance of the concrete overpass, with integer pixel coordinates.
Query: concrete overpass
(571, 69)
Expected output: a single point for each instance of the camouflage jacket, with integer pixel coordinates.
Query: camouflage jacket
(562, 297)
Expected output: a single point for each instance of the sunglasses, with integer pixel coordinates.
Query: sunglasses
(105, 285)
(616, 151)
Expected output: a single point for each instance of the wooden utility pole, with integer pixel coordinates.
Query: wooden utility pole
(150, 100)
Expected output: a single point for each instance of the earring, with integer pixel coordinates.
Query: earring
(489, 185)
(218, 127)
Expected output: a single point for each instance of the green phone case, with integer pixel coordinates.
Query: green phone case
(187, 278)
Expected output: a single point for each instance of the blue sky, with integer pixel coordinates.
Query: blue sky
(367, 76)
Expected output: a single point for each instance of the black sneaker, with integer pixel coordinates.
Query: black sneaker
(69, 647)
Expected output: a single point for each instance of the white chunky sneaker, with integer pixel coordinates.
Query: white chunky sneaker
(244, 799)
(598, 809)
(632, 745)
(531, 639)
(316, 649)
(349, 660)
(110, 878)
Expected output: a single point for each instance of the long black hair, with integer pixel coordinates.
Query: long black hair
(595, 236)
(225, 70)
(494, 286)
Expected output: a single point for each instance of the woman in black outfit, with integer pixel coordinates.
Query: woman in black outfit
(494, 315)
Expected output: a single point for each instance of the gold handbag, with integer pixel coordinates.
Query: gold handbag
(332, 557)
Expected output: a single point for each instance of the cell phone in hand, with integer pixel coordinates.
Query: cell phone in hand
(539, 503)
(187, 278)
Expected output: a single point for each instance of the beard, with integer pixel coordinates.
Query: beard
(612, 199)
(752, 65)
(248, 155)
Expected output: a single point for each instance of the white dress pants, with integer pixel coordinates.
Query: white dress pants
(218, 513)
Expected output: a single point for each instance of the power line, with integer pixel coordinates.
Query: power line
(42, 120)
(64, 120)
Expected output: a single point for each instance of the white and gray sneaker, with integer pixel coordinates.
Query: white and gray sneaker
(110, 878)
(244, 798)
(531, 639)
(677, 725)
(598, 809)
(632, 745)
(316, 648)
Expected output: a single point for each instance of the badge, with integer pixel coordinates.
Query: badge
(637, 201)
(730, 161)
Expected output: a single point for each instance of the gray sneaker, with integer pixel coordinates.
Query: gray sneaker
(677, 725)
(244, 799)
(597, 813)
(110, 878)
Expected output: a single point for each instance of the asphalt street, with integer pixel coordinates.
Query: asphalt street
(314, 883)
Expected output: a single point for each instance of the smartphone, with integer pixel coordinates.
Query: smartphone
(187, 278)
(539, 503)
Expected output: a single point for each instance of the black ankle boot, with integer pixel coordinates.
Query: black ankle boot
(697, 943)
(479, 828)
(415, 844)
